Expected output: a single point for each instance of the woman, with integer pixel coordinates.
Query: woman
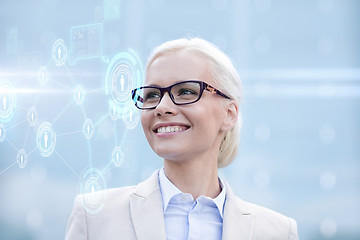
(190, 108)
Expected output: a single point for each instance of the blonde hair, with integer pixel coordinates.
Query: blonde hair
(224, 74)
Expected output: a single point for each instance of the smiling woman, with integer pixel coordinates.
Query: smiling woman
(190, 117)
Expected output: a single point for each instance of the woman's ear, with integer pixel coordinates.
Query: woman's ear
(232, 113)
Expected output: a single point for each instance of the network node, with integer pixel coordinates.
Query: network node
(21, 158)
(59, 52)
(2, 132)
(32, 116)
(88, 128)
(114, 110)
(92, 186)
(123, 74)
(79, 94)
(46, 139)
(43, 76)
(117, 156)
(130, 116)
(7, 101)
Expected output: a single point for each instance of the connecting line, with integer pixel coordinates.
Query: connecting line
(17, 124)
(89, 151)
(101, 120)
(61, 84)
(7, 168)
(96, 90)
(67, 164)
(59, 115)
(115, 131)
(47, 65)
(32, 151)
(124, 135)
(22, 108)
(11, 144)
(106, 167)
(70, 74)
(68, 133)
(26, 136)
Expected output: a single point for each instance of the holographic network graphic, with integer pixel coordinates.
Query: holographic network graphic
(124, 72)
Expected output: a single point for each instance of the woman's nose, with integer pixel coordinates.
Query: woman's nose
(165, 106)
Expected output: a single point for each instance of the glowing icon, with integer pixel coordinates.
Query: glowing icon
(122, 82)
(79, 95)
(114, 110)
(130, 116)
(4, 101)
(92, 189)
(32, 116)
(21, 158)
(59, 52)
(92, 186)
(2, 132)
(117, 156)
(121, 88)
(43, 76)
(88, 129)
(7, 101)
(123, 74)
(46, 139)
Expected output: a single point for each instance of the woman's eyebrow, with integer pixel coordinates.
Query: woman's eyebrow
(152, 85)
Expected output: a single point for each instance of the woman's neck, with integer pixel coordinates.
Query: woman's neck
(197, 176)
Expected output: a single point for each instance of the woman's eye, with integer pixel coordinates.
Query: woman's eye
(151, 95)
(186, 91)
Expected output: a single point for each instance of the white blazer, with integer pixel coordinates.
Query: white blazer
(136, 212)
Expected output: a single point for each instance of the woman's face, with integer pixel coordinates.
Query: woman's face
(196, 130)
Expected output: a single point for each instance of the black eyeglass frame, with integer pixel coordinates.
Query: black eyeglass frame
(203, 86)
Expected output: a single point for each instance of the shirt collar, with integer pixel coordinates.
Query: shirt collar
(169, 190)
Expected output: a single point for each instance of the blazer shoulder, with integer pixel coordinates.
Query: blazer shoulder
(262, 211)
(268, 223)
(111, 218)
(118, 195)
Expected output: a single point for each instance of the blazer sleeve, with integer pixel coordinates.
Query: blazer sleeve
(77, 227)
(293, 233)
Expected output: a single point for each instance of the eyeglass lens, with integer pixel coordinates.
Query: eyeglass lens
(182, 93)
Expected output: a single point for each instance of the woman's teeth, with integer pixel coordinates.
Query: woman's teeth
(170, 129)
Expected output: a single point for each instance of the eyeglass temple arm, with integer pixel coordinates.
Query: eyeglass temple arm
(214, 90)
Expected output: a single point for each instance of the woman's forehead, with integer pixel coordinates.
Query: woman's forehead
(179, 65)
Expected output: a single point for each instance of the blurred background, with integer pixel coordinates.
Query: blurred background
(67, 67)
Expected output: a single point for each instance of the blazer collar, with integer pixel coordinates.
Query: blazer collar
(238, 221)
(147, 210)
(148, 216)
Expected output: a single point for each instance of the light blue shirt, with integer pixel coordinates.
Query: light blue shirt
(189, 219)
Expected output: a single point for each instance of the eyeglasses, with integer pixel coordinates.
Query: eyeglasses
(181, 93)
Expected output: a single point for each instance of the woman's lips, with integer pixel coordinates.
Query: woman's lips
(170, 128)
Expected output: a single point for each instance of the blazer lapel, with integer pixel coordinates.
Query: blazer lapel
(238, 221)
(147, 211)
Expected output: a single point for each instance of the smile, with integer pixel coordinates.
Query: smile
(170, 129)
